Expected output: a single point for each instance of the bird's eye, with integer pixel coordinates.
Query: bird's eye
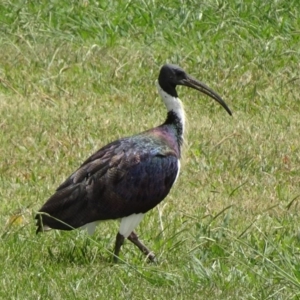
(180, 74)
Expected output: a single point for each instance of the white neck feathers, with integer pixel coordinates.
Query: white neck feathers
(173, 104)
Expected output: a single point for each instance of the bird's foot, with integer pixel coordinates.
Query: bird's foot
(152, 258)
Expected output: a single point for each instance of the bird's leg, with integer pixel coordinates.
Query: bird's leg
(119, 243)
(135, 239)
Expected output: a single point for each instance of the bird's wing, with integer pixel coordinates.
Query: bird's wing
(120, 179)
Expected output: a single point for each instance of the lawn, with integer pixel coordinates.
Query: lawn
(75, 75)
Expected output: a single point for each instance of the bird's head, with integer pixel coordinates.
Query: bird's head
(171, 75)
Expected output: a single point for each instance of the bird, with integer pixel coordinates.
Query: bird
(128, 177)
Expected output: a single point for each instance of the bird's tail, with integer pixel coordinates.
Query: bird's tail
(65, 210)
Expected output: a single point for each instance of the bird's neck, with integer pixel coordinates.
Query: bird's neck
(176, 116)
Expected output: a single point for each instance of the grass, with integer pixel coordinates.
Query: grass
(75, 75)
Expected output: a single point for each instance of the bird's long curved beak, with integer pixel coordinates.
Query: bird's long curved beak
(201, 87)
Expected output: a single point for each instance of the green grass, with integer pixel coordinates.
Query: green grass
(75, 75)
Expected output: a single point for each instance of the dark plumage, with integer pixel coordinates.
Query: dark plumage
(98, 190)
(128, 177)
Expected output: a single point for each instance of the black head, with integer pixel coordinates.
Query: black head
(171, 75)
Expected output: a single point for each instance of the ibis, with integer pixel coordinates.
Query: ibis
(128, 177)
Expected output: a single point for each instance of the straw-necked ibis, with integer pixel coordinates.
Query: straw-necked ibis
(128, 177)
